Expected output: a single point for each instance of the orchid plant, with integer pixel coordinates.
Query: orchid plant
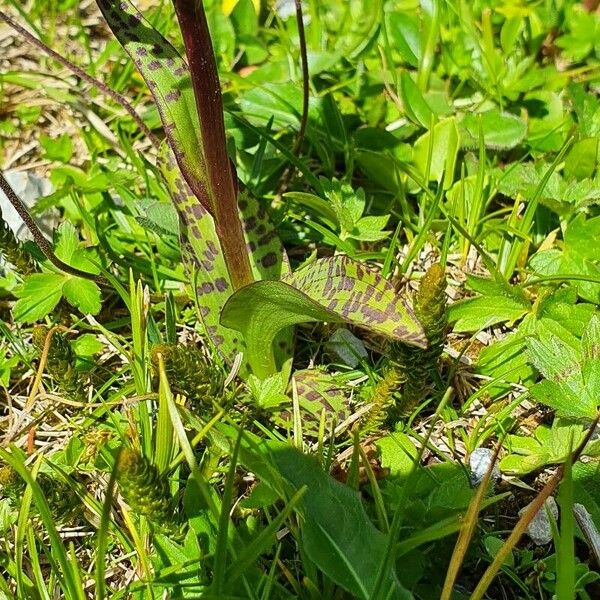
(247, 296)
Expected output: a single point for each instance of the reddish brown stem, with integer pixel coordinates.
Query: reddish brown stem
(209, 103)
(305, 76)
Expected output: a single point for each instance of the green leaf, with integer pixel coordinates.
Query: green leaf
(168, 78)
(415, 105)
(501, 131)
(370, 229)
(572, 384)
(445, 140)
(405, 32)
(67, 241)
(333, 289)
(577, 257)
(38, 296)
(316, 204)
(59, 149)
(337, 533)
(87, 345)
(268, 393)
(159, 217)
(83, 294)
(494, 306)
(549, 445)
(582, 159)
(347, 204)
(68, 249)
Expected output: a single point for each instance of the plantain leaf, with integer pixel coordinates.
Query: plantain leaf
(168, 78)
(335, 289)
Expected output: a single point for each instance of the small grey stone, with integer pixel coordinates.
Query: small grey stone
(29, 187)
(479, 463)
(540, 530)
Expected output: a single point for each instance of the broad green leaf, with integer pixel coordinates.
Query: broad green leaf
(169, 80)
(333, 289)
(398, 453)
(501, 131)
(582, 159)
(474, 314)
(83, 294)
(370, 229)
(577, 257)
(495, 305)
(548, 445)
(444, 140)
(572, 376)
(337, 534)
(38, 295)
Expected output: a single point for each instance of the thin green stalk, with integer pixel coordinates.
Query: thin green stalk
(510, 251)
(220, 558)
(565, 552)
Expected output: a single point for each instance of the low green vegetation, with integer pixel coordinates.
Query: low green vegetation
(309, 304)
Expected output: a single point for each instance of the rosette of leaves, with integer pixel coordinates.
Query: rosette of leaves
(228, 243)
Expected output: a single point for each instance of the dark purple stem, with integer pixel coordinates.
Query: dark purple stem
(209, 103)
(305, 77)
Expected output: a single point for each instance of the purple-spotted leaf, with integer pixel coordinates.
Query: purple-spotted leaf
(318, 391)
(168, 78)
(205, 263)
(335, 289)
(190, 106)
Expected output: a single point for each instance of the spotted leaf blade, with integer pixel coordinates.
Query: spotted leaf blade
(205, 264)
(317, 391)
(169, 81)
(335, 289)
